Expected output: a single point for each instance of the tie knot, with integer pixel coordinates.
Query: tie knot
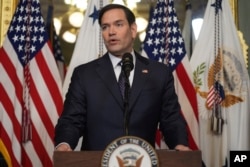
(120, 63)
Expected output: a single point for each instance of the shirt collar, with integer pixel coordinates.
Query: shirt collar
(115, 60)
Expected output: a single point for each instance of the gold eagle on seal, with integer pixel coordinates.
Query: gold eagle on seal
(214, 71)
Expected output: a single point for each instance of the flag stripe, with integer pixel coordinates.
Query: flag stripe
(11, 71)
(7, 126)
(193, 126)
(189, 88)
(38, 103)
(48, 125)
(50, 77)
(39, 148)
(26, 159)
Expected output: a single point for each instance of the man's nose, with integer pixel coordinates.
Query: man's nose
(112, 30)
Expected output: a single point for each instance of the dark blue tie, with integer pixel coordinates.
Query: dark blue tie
(121, 81)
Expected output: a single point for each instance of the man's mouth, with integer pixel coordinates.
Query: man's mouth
(113, 41)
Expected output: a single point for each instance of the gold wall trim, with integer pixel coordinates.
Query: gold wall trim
(7, 8)
(234, 6)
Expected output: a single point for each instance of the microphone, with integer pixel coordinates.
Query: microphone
(127, 66)
(127, 63)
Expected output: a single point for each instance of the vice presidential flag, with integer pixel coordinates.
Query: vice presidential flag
(89, 44)
(30, 90)
(222, 86)
(164, 43)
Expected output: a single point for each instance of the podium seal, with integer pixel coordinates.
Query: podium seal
(129, 151)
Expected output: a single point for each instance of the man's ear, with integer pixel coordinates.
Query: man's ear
(133, 28)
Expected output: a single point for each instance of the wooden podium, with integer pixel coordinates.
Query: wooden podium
(167, 158)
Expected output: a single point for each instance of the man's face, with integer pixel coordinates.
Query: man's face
(117, 34)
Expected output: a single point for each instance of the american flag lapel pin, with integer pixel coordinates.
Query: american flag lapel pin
(145, 71)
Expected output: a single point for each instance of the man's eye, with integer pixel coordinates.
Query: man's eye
(119, 24)
(104, 27)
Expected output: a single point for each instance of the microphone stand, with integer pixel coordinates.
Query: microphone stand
(127, 66)
(126, 103)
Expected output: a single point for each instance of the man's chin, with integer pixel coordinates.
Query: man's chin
(116, 52)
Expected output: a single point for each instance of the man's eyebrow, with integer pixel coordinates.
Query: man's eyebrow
(117, 21)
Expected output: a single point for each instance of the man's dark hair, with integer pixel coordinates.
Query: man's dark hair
(128, 13)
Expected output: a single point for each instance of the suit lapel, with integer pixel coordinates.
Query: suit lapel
(106, 72)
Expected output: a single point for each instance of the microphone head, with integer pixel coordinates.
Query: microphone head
(127, 63)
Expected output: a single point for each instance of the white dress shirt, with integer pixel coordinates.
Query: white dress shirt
(117, 68)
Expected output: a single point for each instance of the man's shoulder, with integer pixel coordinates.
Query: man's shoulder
(151, 62)
(92, 62)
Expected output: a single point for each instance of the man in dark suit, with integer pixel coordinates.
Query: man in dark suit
(94, 106)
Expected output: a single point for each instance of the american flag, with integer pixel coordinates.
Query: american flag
(58, 55)
(56, 45)
(30, 88)
(164, 43)
(215, 95)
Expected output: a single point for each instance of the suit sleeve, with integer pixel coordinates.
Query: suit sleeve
(70, 126)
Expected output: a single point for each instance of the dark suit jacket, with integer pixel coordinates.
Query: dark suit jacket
(94, 106)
